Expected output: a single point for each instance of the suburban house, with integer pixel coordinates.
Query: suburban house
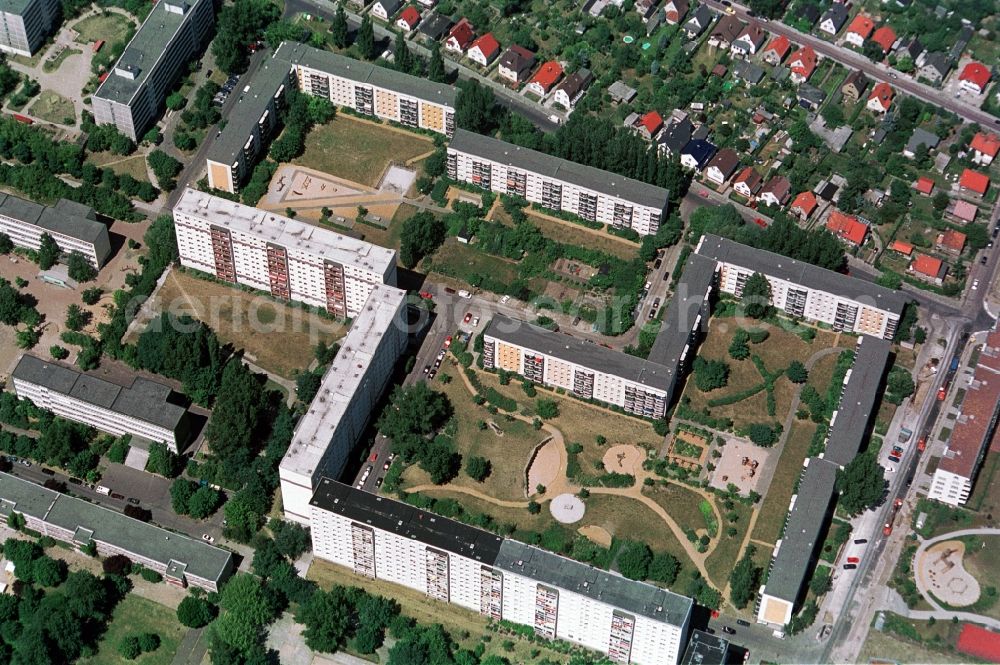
(699, 21)
(460, 37)
(515, 64)
(804, 205)
(963, 210)
(674, 11)
(545, 78)
(885, 37)
(572, 88)
(974, 181)
(435, 26)
(911, 48)
(847, 227)
(776, 191)
(859, 30)
(675, 136)
(726, 31)
(776, 50)
(386, 9)
(750, 40)
(880, 98)
(409, 19)
(833, 19)
(935, 67)
(649, 125)
(621, 93)
(802, 64)
(928, 268)
(975, 77)
(645, 8)
(746, 71)
(748, 183)
(924, 185)
(951, 242)
(920, 137)
(904, 248)
(697, 153)
(810, 97)
(722, 166)
(484, 50)
(854, 85)
(984, 148)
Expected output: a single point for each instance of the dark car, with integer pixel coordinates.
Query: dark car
(115, 495)
(657, 264)
(666, 276)
(75, 481)
(728, 630)
(984, 260)
(860, 541)
(743, 622)
(893, 458)
(134, 501)
(48, 472)
(850, 566)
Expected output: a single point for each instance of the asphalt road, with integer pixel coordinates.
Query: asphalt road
(874, 71)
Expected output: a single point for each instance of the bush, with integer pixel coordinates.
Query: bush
(150, 575)
(128, 647)
(92, 295)
(478, 468)
(710, 374)
(58, 352)
(195, 612)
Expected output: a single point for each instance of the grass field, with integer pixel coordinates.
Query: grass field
(461, 262)
(911, 641)
(680, 503)
(280, 338)
(628, 519)
(359, 151)
(574, 234)
(53, 107)
(986, 492)
(389, 236)
(134, 165)
(727, 552)
(775, 505)
(136, 614)
(110, 27)
(981, 561)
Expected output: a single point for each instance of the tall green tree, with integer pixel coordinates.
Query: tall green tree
(420, 236)
(238, 409)
(365, 41)
(435, 68)
(861, 483)
(246, 610)
(475, 108)
(401, 55)
(756, 296)
(240, 25)
(339, 31)
(328, 619)
(48, 252)
(744, 580)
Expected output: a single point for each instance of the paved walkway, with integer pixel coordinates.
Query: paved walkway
(922, 582)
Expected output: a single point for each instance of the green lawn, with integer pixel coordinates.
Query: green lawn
(727, 552)
(134, 165)
(110, 26)
(775, 505)
(53, 107)
(462, 262)
(359, 151)
(628, 519)
(910, 641)
(139, 615)
(574, 234)
(389, 236)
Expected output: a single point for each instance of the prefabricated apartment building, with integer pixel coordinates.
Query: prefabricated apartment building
(72, 225)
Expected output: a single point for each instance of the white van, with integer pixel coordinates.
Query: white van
(780, 634)
(101, 489)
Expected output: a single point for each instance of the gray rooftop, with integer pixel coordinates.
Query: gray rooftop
(575, 350)
(147, 46)
(921, 137)
(689, 301)
(705, 649)
(406, 521)
(557, 168)
(639, 598)
(800, 272)
(24, 497)
(67, 218)
(859, 401)
(804, 531)
(144, 399)
(17, 7)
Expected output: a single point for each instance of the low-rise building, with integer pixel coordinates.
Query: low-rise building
(880, 98)
(984, 148)
(649, 125)
(723, 166)
(699, 21)
(935, 67)
(748, 183)
(749, 41)
(924, 186)
(804, 204)
(572, 88)
(409, 19)
(674, 11)
(725, 32)
(802, 64)
(776, 191)
(484, 50)
(515, 64)
(854, 86)
(435, 26)
(385, 9)
(975, 77)
(848, 228)
(833, 19)
(963, 210)
(675, 136)
(920, 138)
(72, 225)
(859, 30)
(776, 50)
(951, 242)
(543, 80)
(974, 181)
(697, 154)
(928, 268)
(885, 37)
(460, 36)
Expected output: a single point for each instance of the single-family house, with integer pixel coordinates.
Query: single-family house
(951, 242)
(572, 88)
(649, 125)
(885, 37)
(748, 183)
(545, 78)
(833, 19)
(804, 205)
(810, 97)
(975, 77)
(675, 136)
(386, 9)
(802, 64)
(484, 50)
(646, 7)
(697, 154)
(984, 148)
(409, 19)
(620, 93)
(928, 268)
(725, 32)
(924, 186)
(722, 166)
(749, 41)
(460, 36)
(674, 11)
(435, 26)
(974, 181)
(776, 191)
(880, 98)
(854, 85)
(859, 30)
(516, 63)
(920, 137)
(699, 21)
(910, 48)
(847, 227)
(775, 52)
(904, 248)
(963, 210)
(746, 71)
(935, 67)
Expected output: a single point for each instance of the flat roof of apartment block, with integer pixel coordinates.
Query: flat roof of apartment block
(66, 217)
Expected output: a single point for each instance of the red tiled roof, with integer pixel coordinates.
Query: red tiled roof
(803, 61)
(462, 33)
(974, 180)
(847, 227)
(488, 44)
(953, 240)
(861, 25)
(925, 185)
(806, 202)
(926, 265)
(965, 211)
(779, 45)
(903, 248)
(988, 144)
(976, 73)
(884, 93)
(410, 16)
(979, 642)
(652, 122)
(971, 429)
(547, 74)
(884, 37)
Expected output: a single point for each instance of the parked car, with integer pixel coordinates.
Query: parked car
(427, 368)
(504, 300)
(447, 341)
(850, 566)
(728, 630)
(860, 541)
(116, 495)
(657, 263)
(134, 501)
(373, 457)
(378, 483)
(887, 529)
(475, 322)
(48, 472)
(207, 538)
(385, 467)
(893, 458)
(853, 559)
(468, 317)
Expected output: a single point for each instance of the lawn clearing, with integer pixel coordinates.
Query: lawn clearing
(134, 165)
(982, 563)
(54, 64)
(358, 150)
(52, 107)
(575, 234)
(627, 519)
(389, 236)
(680, 503)
(779, 494)
(462, 262)
(109, 26)
(135, 614)
(912, 641)
(278, 337)
(728, 549)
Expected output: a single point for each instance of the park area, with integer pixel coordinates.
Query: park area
(360, 150)
(52, 107)
(134, 615)
(110, 26)
(278, 337)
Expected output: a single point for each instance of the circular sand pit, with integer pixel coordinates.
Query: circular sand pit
(942, 573)
(624, 459)
(567, 508)
(596, 534)
(545, 463)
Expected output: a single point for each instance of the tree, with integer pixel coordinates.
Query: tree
(744, 580)
(420, 236)
(203, 502)
(739, 347)
(195, 612)
(239, 407)
(547, 408)
(48, 572)
(475, 108)
(76, 317)
(941, 201)
(290, 539)
(756, 297)
(58, 352)
(762, 434)
(128, 647)
(92, 295)
(48, 252)
(401, 55)
(175, 101)
(246, 609)
(339, 32)
(181, 491)
(165, 168)
(710, 374)
(240, 25)
(435, 68)
(861, 483)
(899, 385)
(890, 280)
(634, 560)
(365, 40)
(663, 568)
(327, 620)
(162, 461)
(478, 468)
(6, 244)
(796, 372)
(79, 269)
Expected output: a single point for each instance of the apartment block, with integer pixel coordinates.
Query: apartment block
(804, 290)
(338, 415)
(289, 259)
(132, 95)
(360, 86)
(143, 408)
(72, 225)
(182, 561)
(499, 578)
(25, 24)
(557, 184)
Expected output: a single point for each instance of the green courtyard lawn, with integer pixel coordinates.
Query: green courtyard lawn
(981, 561)
(389, 236)
(359, 150)
(53, 107)
(136, 614)
(728, 550)
(134, 165)
(574, 234)
(905, 640)
(109, 26)
(775, 503)
(680, 503)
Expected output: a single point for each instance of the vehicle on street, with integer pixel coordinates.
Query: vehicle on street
(922, 444)
(904, 435)
(893, 458)
(652, 313)
(657, 263)
(385, 467)
(426, 295)
(860, 541)
(432, 374)
(942, 393)
(102, 490)
(656, 303)
(666, 276)
(448, 289)
(505, 300)
(742, 622)
(48, 472)
(25, 462)
(893, 75)
(853, 559)
(983, 260)
(116, 495)
(468, 317)
(728, 630)
(134, 501)
(378, 483)
(75, 481)
(464, 294)
(475, 322)
(447, 341)
(850, 566)
(887, 529)
(975, 284)
(427, 368)
(780, 634)
(207, 538)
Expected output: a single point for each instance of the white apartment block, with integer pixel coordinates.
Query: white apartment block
(586, 370)
(24, 25)
(132, 95)
(72, 225)
(143, 408)
(290, 260)
(360, 86)
(503, 579)
(804, 290)
(557, 184)
(338, 415)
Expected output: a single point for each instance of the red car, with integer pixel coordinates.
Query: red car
(887, 529)
(942, 393)
(426, 295)
(853, 559)
(468, 317)
(922, 444)
(447, 341)
(374, 457)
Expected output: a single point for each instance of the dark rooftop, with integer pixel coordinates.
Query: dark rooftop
(859, 401)
(66, 217)
(681, 315)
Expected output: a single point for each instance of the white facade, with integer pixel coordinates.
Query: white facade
(951, 488)
(25, 222)
(339, 413)
(855, 39)
(24, 25)
(288, 259)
